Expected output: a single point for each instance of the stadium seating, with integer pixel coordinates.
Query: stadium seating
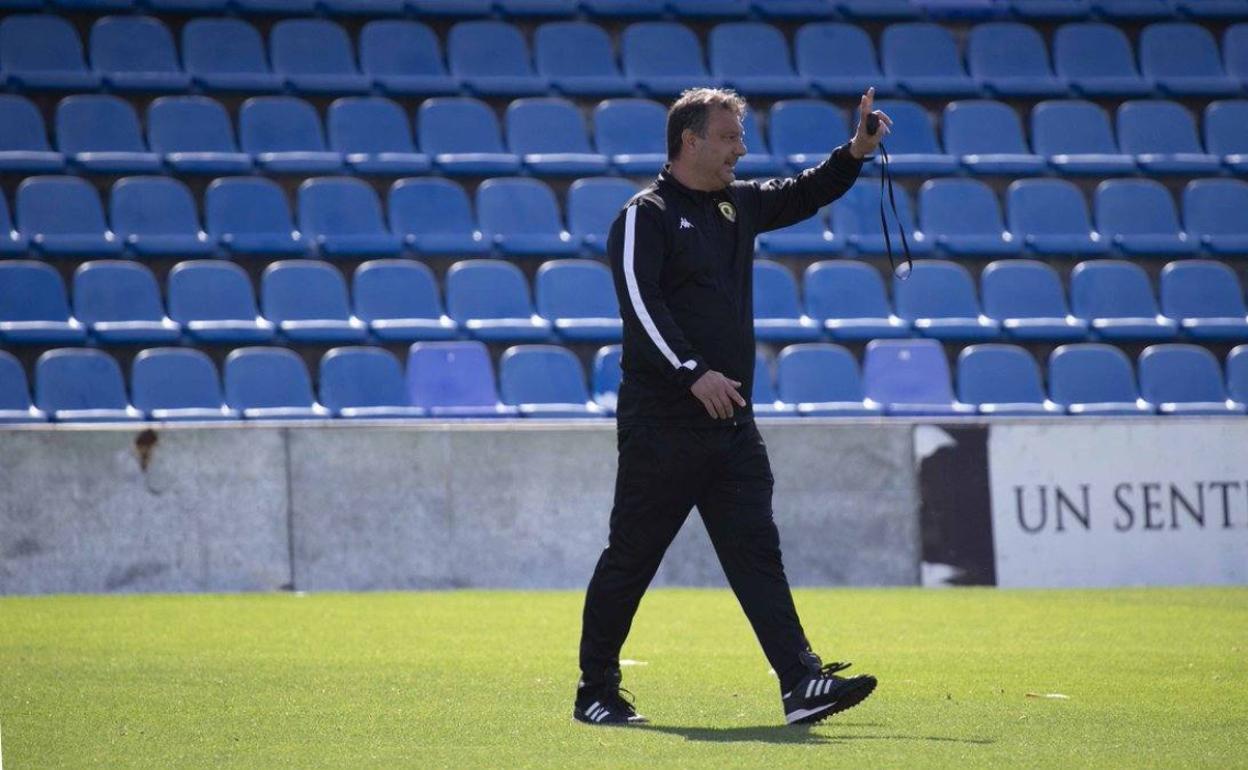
(605, 377)
(42, 52)
(988, 139)
(1226, 132)
(250, 216)
(576, 58)
(856, 220)
(777, 309)
(764, 402)
(12, 243)
(626, 8)
(214, 302)
(1182, 59)
(268, 383)
(593, 205)
(544, 381)
(1212, 9)
(805, 131)
(99, 133)
(193, 135)
(709, 9)
(839, 60)
(314, 56)
(1206, 298)
(453, 379)
(15, 403)
(283, 134)
(521, 218)
(549, 136)
(224, 54)
(156, 216)
(1117, 299)
(879, 9)
(663, 58)
(963, 218)
(82, 385)
(1027, 299)
(136, 53)
(1002, 380)
(1237, 374)
(1139, 218)
(175, 384)
(491, 59)
(34, 309)
(1135, 10)
(1162, 137)
(374, 137)
(120, 303)
(924, 60)
(793, 9)
(848, 299)
(364, 383)
(938, 300)
(1009, 59)
(578, 298)
(463, 137)
(1235, 51)
(753, 58)
(1050, 217)
(1184, 379)
(1096, 60)
(24, 144)
(808, 236)
(910, 377)
(822, 380)
(343, 217)
(307, 300)
(1077, 139)
(455, 8)
(631, 133)
(434, 216)
(62, 216)
(1094, 379)
(404, 57)
(398, 299)
(912, 147)
(489, 299)
(1214, 213)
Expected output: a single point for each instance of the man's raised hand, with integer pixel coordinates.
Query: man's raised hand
(863, 143)
(717, 394)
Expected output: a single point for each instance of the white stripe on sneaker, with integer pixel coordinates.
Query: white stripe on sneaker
(810, 688)
(602, 715)
(794, 716)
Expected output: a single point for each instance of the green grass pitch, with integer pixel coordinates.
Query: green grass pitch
(1154, 678)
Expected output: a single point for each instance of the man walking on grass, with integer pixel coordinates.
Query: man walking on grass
(682, 253)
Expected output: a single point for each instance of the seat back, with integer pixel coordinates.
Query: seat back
(545, 125)
(959, 207)
(395, 288)
(817, 372)
(844, 290)
(31, 42)
(630, 126)
(1006, 48)
(475, 48)
(982, 126)
(266, 378)
(748, 48)
(1047, 207)
(458, 124)
(279, 124)
(906, 372)
(97, 123)
(1090, 373)
(593, 204)
(429, 205)
(998, 374)
(857, 212)
(517, 206)
(152, 205)
(361, 377)
(14, 388)
(1110, 288)
(132, 44)
(221, 45)
(1092, 49)
(311, 47)
(486, 288)
(775, 291)
(174, 378)
(936, 289)
(58, 205)
(246, 205)
(1226, 126)
(919, 48)
(400, 47)
(563, 48)
(661, 48)
(834, 49)
(541, 374)
(1178, 48)
(210, 290)
(575, 288)
(339, 206)
(116, 290)
(189, 124)
(912, 131)
(1126, 206)
(808, 126)
(1022, 288)
(1149, 125)
(21, 125)
(368, 124)
(297, 290)
(1180, 373)
(78, 378)
(1216, 207)
(450, 374)
(31, 291)
(1201, 288)
(1071, 126)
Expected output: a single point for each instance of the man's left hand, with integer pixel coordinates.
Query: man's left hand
(863, 144)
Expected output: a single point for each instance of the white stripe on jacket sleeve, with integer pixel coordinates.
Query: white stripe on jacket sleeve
(634, 294)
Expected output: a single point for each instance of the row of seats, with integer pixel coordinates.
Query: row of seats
(305, 301)
(547, 136)
(456, 379)
(342, 217)
(137, 53)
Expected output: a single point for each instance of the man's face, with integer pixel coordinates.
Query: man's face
(715, 155)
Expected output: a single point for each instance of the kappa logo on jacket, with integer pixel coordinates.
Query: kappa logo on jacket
(685, 225)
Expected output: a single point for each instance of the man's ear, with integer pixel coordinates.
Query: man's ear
(688, 138)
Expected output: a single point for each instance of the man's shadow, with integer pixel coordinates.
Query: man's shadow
(828, 734)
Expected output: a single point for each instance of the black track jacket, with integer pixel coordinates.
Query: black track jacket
(683, 266)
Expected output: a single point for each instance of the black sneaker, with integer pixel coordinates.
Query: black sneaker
(821, 693)
(604, 704)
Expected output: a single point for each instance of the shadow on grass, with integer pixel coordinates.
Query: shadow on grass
(786, 734)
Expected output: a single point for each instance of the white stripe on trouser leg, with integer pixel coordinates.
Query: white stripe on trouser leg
(634, 294)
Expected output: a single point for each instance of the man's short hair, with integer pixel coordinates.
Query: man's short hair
(692, 111)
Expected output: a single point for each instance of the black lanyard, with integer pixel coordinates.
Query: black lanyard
(873, 125)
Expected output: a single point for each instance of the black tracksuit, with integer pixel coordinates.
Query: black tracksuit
(683, 266)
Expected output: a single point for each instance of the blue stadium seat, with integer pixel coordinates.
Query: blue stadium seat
(549, 136)
(805, 131)
(491, 59)
(708, 9)
(398, 299)
(753, 58)
(958, 10)
(1139, 217)
(1235, 52)
(433, 216)
(224, 54)
(82, 385)
(1077, 139)
(764, 401)
(1162, 137)
(988, 138)
(89, 6)
(1051, 10)
(136, 53)
(42, 52)
(463, 136)
(1117, 299)
(1182, 59)
(1237, 374)
(938, 299)
(879, 9)
(924, 60)
(856, 220)
(1206, 298)
(631, 133)
(1184, 379)
(186, 6)
(155, 216)
(537, 8)
(647, 9)
(758, 160)
(24, 144)
(364, 383)
(33, 306)
(576, 58)
(194, 136)
(809, 236)
(962, 217)
(521, 218)
(404, 57)
(455, 8)
(343, 217)
(214, 302)
(593, 205)
(839, 59)
(15, 404)
(1002, 380)
(100, 134)
(363, 7)
(848, 298)
(177, 384)
(12, 243)
(822, 380)
(1026, 297)
(266, 383)
(271, 7)
(544, 381)
(1010, 59)
(606, 377)
(910, 377)
(1213, 9)
(453, 379)
(250, 215)
(283, 134)
(578, 297)
(912, 146)
(663, 58)
(120, 303)
(778, 312)
(62, 216)
(1096, 60)
(1050, 217)
(1226, 132)
(1094, 379)
(314, 56)
(794, 9)
(307, 299)
(489, 299)
(1214, 212)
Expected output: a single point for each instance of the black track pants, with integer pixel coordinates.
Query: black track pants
(663, 473)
